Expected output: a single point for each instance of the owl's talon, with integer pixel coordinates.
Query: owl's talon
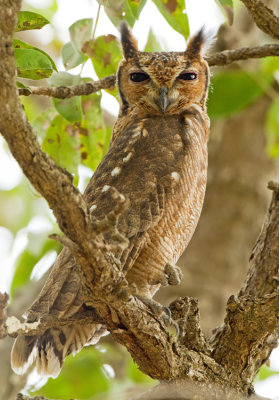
(160, 312)
(173, 274)
(155, 307)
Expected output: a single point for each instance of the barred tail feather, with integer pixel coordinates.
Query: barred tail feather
(53, 347)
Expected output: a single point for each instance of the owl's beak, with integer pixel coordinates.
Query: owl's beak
(163, 102)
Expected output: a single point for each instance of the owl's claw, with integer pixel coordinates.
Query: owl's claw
(173, 275)
(160, 312)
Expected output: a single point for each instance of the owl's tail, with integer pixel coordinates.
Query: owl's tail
(53, 347)
(60, 300)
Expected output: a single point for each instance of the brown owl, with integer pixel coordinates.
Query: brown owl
(158, 161)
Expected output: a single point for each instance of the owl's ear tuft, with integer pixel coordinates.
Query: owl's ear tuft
(196, 44)
(128, 41)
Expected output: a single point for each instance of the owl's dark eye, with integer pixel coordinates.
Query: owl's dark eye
(188, 76)
(139, 77)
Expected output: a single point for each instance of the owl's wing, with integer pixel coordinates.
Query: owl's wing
(139, 165)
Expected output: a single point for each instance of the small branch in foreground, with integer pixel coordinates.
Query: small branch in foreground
(264, 17)
(63, 92)
(222, 58)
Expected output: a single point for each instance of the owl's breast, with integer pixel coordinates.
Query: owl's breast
(159, 164)
(179, 158)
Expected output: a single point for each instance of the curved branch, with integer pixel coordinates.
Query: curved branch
(264, 17)
(222, 58)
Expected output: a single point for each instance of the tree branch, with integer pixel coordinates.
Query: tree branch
(63, 92)
(222, 58)
(264, 17)
(251, 326)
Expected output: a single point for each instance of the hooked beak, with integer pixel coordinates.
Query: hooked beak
(163, 99)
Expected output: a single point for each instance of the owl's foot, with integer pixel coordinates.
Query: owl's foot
(172, 275)
(160, 311)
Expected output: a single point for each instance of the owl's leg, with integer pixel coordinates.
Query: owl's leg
(173, 274)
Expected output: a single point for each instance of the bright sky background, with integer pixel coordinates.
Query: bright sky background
(200, 12)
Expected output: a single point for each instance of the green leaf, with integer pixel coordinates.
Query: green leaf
(94, 135)
(71, 57)
(43, 121)
(228, 3)
(29, 20)
(119, 10)
(81, 377)
(32, 64)
(269, 66)
(272, 129)
(80, 32)
(19, 44)
(232, 92)
(265, 373)
(152, 43)
(136, 7)
(70, 108)
(174, 13)
(62, 143)
(22, 86)
(105, 54)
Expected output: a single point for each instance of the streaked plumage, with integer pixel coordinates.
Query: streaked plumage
(158, 161)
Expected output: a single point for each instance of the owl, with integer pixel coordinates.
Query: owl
(158, 160)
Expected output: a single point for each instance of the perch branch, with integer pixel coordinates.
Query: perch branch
(251, 326)
(222, 58)
(264, 17)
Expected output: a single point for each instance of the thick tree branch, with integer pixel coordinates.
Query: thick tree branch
(251, 327)
(218, 59)
(264, 17)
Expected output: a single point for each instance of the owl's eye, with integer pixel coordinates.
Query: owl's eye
(139, 77)
(188, 76)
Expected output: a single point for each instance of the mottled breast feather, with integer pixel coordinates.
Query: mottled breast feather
(159, 165)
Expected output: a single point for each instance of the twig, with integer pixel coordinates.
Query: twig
(226, 57)
(21, 396)
(222, 58)
(264, 17)
(63, 92)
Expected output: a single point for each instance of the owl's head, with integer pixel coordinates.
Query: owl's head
(162, 83)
